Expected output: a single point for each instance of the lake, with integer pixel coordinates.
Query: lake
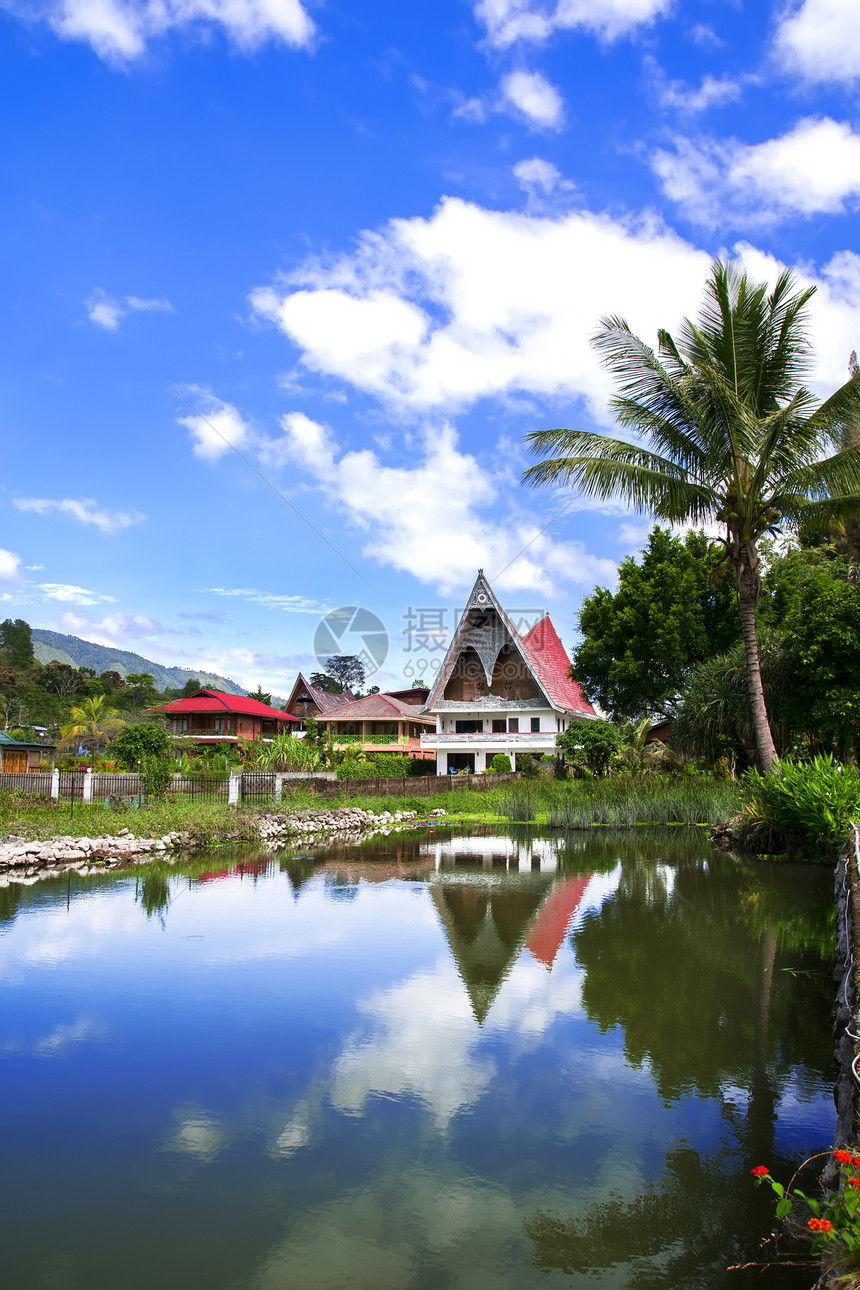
(432, 1061)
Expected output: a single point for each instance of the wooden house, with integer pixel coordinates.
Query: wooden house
(212, 717)
(379, 723)
(18, 757)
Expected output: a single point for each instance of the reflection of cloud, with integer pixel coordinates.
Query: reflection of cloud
(296, 1133)
(82, 1031)
(197, 1134)
(362, 1242)
(422, 1035)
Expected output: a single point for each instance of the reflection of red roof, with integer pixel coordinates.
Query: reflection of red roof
(215, 875)
(550, 927)
(216, 701)
(547, 656)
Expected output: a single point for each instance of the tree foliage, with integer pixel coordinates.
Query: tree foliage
(342, 672)
(138, 742)
(672, 610)
(589, 745)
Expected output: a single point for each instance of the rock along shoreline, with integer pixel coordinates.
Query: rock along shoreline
(29, 859)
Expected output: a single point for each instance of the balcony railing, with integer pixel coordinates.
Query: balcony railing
(499, 737)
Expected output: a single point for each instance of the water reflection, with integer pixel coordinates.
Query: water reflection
(431, 1060)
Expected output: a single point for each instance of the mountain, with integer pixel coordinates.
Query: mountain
(51, 646)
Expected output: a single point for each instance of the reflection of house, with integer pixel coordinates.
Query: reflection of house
(18, 757)
(307, 701)
(212, 717)
(380, 723)
(498, 691)
(487, 924)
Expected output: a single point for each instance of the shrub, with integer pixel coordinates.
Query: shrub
(527, 766)
(157, 774)
(501, 763)
(589, 745)
(145, 740)
(805, 805)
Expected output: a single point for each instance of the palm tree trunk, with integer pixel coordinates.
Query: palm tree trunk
(748, 594)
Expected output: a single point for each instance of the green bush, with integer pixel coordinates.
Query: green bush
(157, 774)
(139, 742)
(527, 765)
(803, 805)
(500, 763)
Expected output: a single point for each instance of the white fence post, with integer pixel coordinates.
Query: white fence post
(88, 784)
(233, 788)
(279, 787)
(55, 784)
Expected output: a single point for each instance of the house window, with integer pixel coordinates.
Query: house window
(514, 725)
(469, 727)
(179, 726)
(499, 727)
(535, 725)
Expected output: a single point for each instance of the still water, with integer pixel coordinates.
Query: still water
(429, 1062)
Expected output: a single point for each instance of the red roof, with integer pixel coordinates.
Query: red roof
(547, 655)
(216, 701)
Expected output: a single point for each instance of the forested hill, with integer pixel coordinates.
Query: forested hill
(50, 646)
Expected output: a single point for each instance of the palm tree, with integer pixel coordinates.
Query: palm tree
(727, 434)
(92, 722)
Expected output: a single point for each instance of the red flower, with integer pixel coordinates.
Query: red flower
(854, 1182)
(760, 1171)
(842, 1157)
(856, 1161)
(820, 1225)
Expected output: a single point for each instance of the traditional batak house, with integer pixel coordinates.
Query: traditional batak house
(499, 692)
(307, 701)
(212, 717)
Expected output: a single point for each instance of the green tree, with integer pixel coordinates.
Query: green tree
(16, 640)
(588, 745)
(141, 690)
(342, 672)
(91, 723)
(727, 434)
(261, 696)
(138, 741)
(671, 611)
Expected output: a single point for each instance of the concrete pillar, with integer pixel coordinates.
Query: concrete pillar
(88, 785)
(55, 784)
(279, 787)
(233, 788)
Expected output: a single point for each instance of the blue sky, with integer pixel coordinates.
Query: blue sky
(366, 245)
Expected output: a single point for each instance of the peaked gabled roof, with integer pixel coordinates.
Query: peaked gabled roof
(540, 649)
(217, 701)
(325, 702)
(550, 661)
(378, 707)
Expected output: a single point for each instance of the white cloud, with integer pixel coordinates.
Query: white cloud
(539, 176)
(120, 30)
(469, 303)
(713, 91)
(84, 509)
(510, 21)
(817, 40)
(70, 594)
(114, 630)
(435, 517)
(10, 565)
(534, 98)
(812, 169)
(273, 600)
(218, 425)
(108, 312)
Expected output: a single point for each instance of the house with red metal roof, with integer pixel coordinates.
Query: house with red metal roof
(498, 691)
(212, 717)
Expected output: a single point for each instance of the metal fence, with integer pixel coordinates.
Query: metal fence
(30, 783)
(258, 786)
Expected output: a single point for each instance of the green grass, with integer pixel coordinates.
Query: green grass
(573, 804)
